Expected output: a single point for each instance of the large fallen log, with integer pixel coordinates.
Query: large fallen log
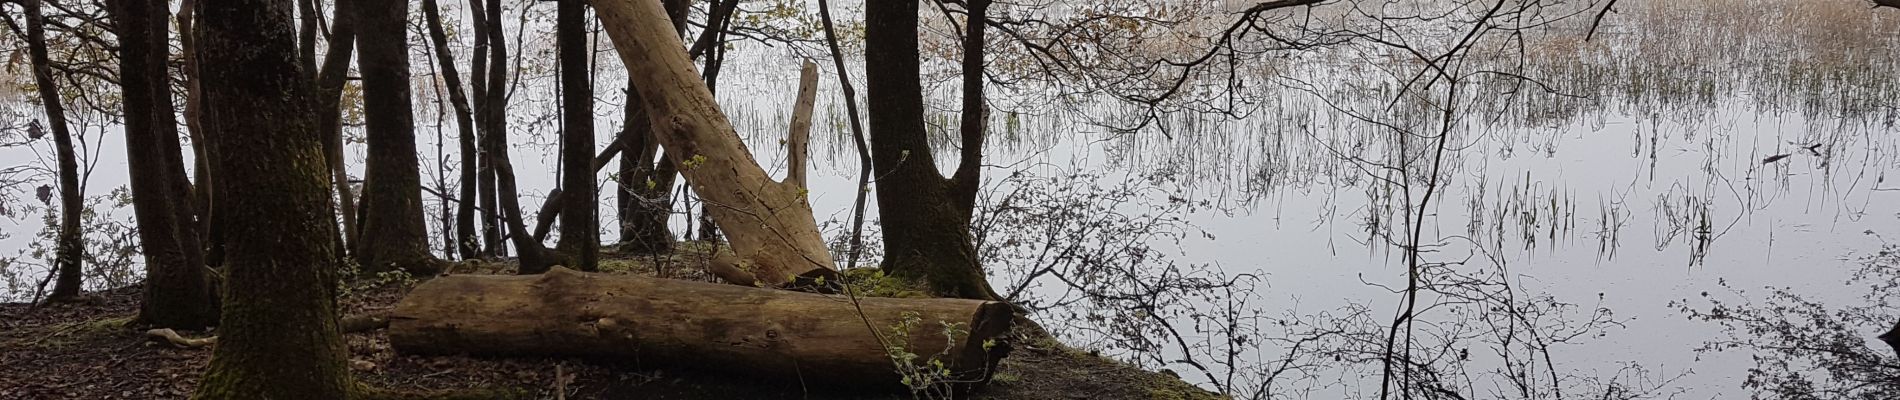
(791, 335)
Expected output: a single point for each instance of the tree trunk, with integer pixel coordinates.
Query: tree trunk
(769, 223)
(925, 217)
(646, 178)
(580, 227)
(177, 294)
(799, 138)
(466, 242)
(485, 174)
(394, 235)
(71, 246)
(492, 114)
(768, 333)
(336, 67)
(645, 196)
(551, 207)
(278, 338)
(199, 194)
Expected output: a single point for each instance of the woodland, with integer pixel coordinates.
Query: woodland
(336, 199)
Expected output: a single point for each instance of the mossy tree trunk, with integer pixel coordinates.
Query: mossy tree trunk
(278, 338)
(177, 293)
(580, 224)
(71, 247)
(394, 236)
(925, 216)
(824, 339)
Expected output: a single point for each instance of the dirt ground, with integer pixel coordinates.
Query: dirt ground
(85, 351)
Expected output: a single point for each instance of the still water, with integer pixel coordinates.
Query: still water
(1668, 163)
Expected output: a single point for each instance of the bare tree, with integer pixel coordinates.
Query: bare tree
(71, 246)
(177, 291)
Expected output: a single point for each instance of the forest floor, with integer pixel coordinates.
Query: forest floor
(84, 350)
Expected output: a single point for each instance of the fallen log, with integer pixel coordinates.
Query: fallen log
(791, 335)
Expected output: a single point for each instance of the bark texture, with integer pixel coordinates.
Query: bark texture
(177, 293)
(646, 177)
(798, 140)
(768, 333)
(394, 236)
(278, 338)
(580, 226)
(926, 217)
(646, 184)
(71, 247)
(769, 223)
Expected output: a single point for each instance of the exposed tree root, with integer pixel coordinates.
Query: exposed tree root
(179, 341)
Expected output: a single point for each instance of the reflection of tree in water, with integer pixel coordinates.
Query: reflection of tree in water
(1373, 126)
(1804, 348)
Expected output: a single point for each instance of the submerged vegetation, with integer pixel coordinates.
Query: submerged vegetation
(1257, 200)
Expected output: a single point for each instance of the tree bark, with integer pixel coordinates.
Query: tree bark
(177, 293)
(278, 338)
(492, 113)
(769, 223)
(199, 192)
(336, 67)
(71, 245)
(492, 245)
(926, 217)
(768, 333)
(646, 185)
(799, 138)
(467, 243)
(394, 235)
(580, 227)
(551, 207)
(646, 179)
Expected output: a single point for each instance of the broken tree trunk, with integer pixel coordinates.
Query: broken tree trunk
(769, 223)
(766, 333)
(799, 138)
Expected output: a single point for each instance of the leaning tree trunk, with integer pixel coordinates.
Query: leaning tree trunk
(926, 217)
(394, 235)
(580, 226)
(71, 247)
(768, 333)
(177, 294)
(278, 338)
(769, 223)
